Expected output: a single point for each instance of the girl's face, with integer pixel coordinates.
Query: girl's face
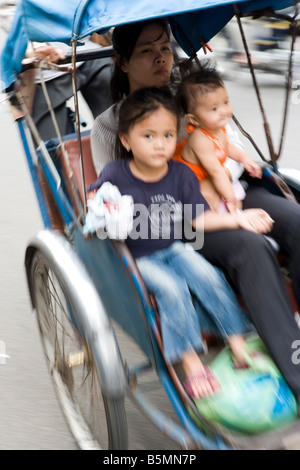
(152, 141)
(151, 61)
(212, 110)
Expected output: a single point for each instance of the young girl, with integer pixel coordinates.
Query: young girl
(203, 98)
(171, 270)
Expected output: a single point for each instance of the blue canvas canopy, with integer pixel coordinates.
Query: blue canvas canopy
(64, 20)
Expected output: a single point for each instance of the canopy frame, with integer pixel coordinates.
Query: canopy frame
(83, 5)
(293, 26)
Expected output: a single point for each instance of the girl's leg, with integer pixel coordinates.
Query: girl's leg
(179, 323)
(209, 286)
(213, 292)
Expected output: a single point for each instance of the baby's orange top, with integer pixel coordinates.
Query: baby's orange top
(198, 169)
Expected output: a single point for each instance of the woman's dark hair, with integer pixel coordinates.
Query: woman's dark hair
(137, 106)
(197, 82)
(124, 39)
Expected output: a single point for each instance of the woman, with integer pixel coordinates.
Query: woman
(247, 257)
(143, 58)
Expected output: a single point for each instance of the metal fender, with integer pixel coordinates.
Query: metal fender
(74, 277)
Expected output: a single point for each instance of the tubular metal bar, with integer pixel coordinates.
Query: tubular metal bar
(46, 162)
(270, 13)
(29, 152)
(266, 124)
(38, 139)
(51, 110)
(294, 29)
(166, 425)
(61, 141)
(104, 52)
(80, 56)
(246, 134)
(40, 143)
(43, 65)
(77, 123)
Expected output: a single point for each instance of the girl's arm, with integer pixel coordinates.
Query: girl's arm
(253, 220)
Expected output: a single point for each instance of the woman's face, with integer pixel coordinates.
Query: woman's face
(151, 61)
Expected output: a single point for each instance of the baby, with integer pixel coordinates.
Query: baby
(204, 100)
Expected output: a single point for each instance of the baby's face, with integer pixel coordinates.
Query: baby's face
(213, 109)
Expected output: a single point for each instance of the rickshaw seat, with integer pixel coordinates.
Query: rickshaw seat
(90, 174)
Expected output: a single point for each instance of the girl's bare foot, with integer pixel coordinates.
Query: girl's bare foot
(238, 347)
(200, 382)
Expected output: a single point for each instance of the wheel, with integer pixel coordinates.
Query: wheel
(96, 420)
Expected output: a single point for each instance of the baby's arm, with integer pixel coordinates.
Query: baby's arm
(239, 155)
(204, 152)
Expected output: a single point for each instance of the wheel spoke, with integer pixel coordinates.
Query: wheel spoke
(71, 362)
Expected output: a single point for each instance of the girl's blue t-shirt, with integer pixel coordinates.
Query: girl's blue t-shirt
(163, 210)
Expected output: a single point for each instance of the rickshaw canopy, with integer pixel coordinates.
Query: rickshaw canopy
(61, 21)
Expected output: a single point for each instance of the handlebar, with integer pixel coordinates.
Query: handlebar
(83, 56)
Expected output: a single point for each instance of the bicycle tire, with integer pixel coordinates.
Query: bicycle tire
(73, 363)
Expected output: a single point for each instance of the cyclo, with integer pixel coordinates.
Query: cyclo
(85, 290)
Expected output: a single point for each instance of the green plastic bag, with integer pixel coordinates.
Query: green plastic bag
(251, 400)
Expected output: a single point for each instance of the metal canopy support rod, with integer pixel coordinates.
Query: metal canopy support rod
(294, 30)
(43, 65)
(77, 123)
(270, 13)
(266, 124)
(37, 137)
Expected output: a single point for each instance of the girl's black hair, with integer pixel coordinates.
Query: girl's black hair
(137, 106)
(124, 39)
